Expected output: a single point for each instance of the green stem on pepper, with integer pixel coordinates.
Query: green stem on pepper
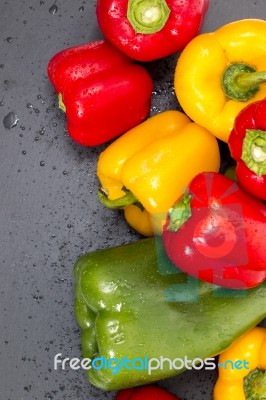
(122, 202)
(254, 151)
(147, 16)
(179, 213)
(60, 103)
(255, 385)
(240, 82)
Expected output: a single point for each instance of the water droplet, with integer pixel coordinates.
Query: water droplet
(9, 39)
(2, 66)
(10, 120)
(24, 152)
(42, 163)
(53, 9)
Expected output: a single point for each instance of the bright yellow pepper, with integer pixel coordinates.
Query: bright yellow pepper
(219, 73)
(148, 168)
(242, 374)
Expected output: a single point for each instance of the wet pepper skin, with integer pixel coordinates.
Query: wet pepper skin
(247, 143)
(155, 161)
(131, 301)
(167, 29)
(101, 90)
(216, 232)
(200, 72)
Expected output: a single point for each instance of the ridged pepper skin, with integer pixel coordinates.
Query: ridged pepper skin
(146, 30)
(248, 382)
(218, 74)
(247, 144)
(80, 62)
(131, 301)
(216, 232)
(153, 163)
(102, 91)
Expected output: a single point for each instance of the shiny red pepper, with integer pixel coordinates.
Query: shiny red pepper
(103, 93)
(145, 393)
(247, 144)
(216, 232)
(147, 30)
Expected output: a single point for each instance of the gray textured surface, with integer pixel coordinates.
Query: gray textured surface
(49, 212)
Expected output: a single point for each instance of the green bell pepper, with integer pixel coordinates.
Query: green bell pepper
(130, 301)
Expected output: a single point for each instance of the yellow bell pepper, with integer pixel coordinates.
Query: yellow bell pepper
(219, 73)
(242, 374)
(148, 168)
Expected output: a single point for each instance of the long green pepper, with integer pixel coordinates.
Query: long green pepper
(130, 301)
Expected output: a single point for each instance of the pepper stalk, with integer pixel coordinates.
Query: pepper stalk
(241, 82)
(147, 16)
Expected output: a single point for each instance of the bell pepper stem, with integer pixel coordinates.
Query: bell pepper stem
(116, 204)
(179, 213)
(147, 16)
(255, 385)
(60, 103)
(240, 82)
(254, 151)
(251, 79)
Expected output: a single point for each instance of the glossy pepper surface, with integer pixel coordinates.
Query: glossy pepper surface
(146, 169)
(131, 302)
(247, 143)
(243, 381)
(216, 232)
(219, 73)
(147, 30)
(102, 92)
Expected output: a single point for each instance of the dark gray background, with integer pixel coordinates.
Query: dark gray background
(49, 212)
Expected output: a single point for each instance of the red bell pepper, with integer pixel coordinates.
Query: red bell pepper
(147, 30)
(144, 393)
(247, 144)
(216, 232)
(103, 93)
